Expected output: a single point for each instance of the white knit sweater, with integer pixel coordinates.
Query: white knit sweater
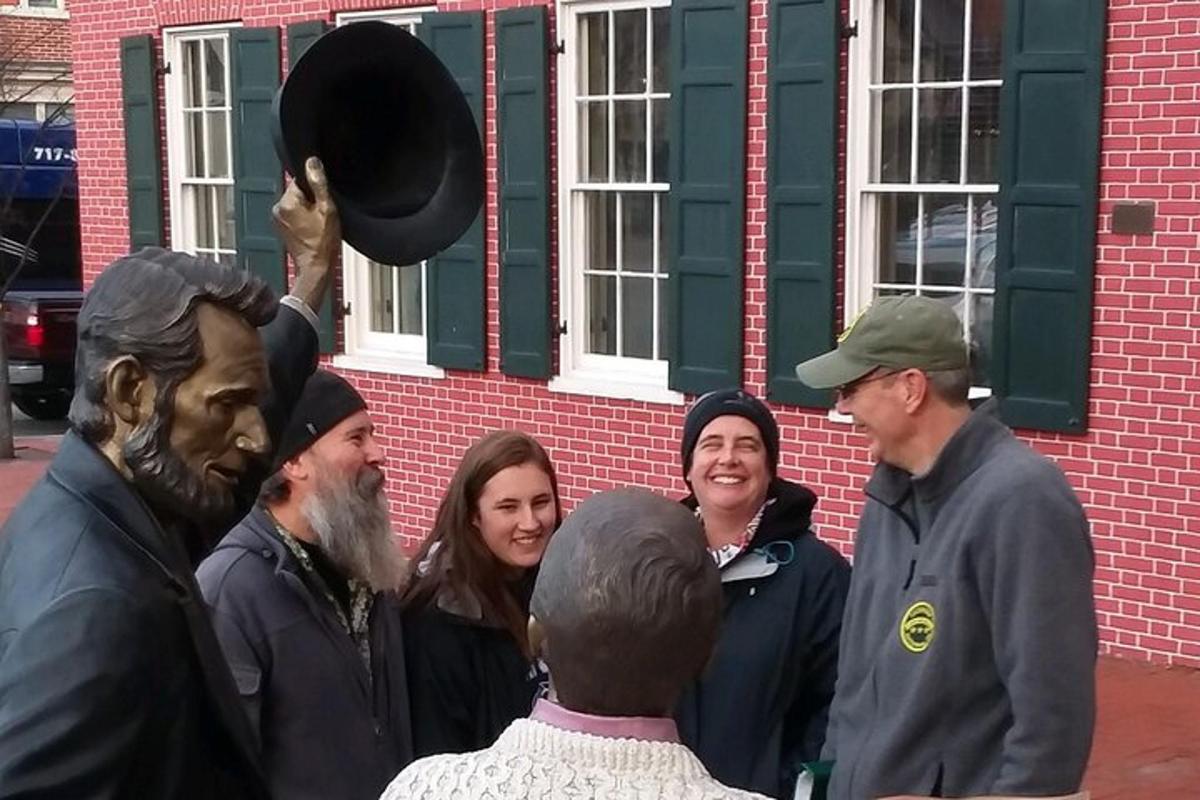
(534, 760)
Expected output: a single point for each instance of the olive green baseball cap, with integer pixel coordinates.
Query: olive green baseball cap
(897, 332)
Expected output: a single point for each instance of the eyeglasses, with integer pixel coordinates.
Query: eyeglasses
(847, 390)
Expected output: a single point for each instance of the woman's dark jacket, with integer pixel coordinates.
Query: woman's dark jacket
(467, 677)
(761, 708)
(112, 682)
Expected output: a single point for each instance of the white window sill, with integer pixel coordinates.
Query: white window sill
(35, 13)
(608, 385)
(389, 365)
(976, 393)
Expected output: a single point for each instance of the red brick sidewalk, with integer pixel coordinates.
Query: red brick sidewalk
(1147, 743)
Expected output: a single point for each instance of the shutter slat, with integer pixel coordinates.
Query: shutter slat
(257, 175)
(455, 319)
(706, 207)
(1050, 133)
(525, 323)
(802, 91)
(300, 36)
(143, 168)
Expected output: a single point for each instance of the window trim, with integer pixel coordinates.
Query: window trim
(21, 8)
(175, 124)
(581, 372)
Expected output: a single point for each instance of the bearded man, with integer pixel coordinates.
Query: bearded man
(303, 601)
(112, 682)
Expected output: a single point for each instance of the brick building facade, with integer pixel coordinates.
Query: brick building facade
(35, 59)
(907, 195)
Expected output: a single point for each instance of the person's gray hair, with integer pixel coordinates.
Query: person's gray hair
(630, 601)
(952, 386)
(144, 305)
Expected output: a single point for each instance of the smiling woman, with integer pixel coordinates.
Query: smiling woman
(470, 666)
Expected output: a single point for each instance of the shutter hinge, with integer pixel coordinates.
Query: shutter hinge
(562, 328)
(849, 31)
(558, 48)
(165, 69)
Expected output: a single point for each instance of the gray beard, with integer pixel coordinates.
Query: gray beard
(350, 519)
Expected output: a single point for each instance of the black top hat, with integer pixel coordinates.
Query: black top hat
(399, 143)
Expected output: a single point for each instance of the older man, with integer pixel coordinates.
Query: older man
(967, 664)
(627, 606)
(302, 592)
(112, 683)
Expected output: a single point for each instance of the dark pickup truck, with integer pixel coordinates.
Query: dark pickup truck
(40, 263)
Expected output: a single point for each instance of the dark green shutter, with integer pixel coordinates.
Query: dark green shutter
(455, 305)
(143, 167)
(257, 175)
(300, 37)
(706, 239)
(525, 323)
(1050, 139)
(802, 86)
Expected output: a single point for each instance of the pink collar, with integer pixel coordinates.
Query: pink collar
(650, 729)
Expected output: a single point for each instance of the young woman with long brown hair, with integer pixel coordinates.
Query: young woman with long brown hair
(470, 667)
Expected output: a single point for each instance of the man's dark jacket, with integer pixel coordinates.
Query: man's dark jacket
(761, 707)
(112, 682)
(327, 728)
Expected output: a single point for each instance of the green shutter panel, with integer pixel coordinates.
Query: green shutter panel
(525, 323)
(143, 168)
(300, 36)
(455, 306)
(802, 86)
(257, 175)
(1050, 140)
(706, 212)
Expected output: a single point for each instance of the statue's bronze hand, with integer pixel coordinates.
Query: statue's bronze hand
(312, 233)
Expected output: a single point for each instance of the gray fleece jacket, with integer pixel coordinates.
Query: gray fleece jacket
(968, 650)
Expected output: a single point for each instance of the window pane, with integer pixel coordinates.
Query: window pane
(983, 265)
(664, 264)
(897, 41)
(225, 218)
(593, 141)
(602, 314)
(983, 153)
(206, 225)
(637, 317)
(945, 234)
(409, 284)
(981, 336)
(895, 136)
(660, 18)
(942, 40)
(631, 141)
(660, 148)
(629, 51)
(660, 286)
(218, 144)
(382, 316)
(987, 24)
(897, 226)
(637, 223)
(940, 134)
(193, 143)
(214, 54)
(18, 110)
(593, 50)
(191, 74)
(600, 244)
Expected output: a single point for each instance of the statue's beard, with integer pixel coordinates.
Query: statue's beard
(173, 489)
(349, 516)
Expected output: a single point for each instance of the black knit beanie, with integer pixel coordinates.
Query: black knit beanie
(724, 402)
(326, 400)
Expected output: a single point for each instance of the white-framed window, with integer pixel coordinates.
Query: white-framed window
(199, 141)
(613, 105)
(923, 157)
(385, 325)
(38, 8)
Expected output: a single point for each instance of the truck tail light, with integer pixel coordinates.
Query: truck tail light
(35, 334)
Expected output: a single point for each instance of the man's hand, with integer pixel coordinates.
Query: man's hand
(311, 232)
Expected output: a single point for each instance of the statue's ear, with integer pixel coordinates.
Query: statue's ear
(129, 390)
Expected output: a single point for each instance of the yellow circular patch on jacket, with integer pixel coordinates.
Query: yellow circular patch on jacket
(917, 627)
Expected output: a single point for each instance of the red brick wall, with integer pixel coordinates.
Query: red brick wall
(34, 39)
(1136, 469)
